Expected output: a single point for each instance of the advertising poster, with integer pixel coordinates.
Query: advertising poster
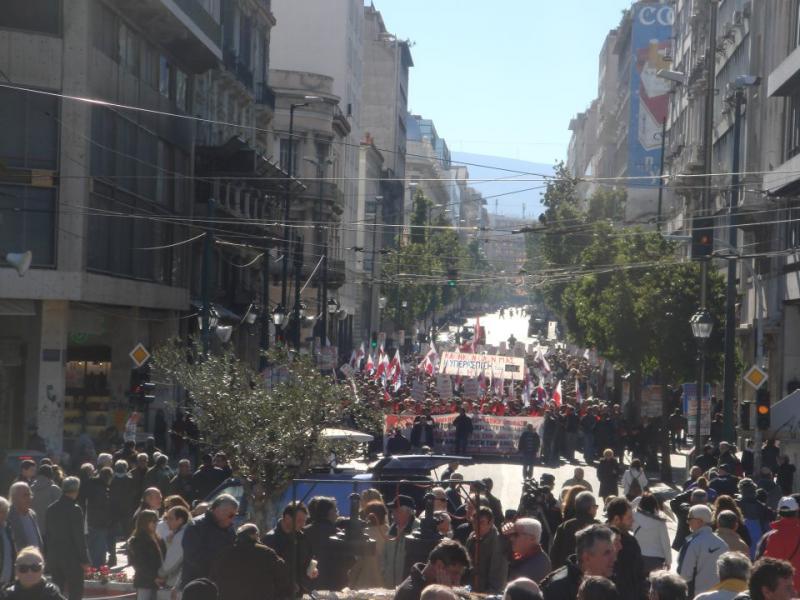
(651, 46)
(690, 408)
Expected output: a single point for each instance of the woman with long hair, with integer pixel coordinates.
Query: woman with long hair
(146, 555)
(366, 574)
(568, 501)
(650, 530)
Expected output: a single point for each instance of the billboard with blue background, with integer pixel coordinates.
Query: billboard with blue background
(651, 44)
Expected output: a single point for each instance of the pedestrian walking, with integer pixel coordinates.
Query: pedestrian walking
(146, 555)
(634, 481)
(650, 530)
(207, 536)
(783, 539)
(528, 447)
(697, 561)
(22, 519)
(45, 492)
(66, 551)
(608, 472)
(464, 428)
(629, 571)
(733, 569)
(177, 518)
(98, 516)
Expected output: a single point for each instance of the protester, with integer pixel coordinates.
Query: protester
(757, 516)
(146, 555)
(594, 587)
(629, 570)
(783, 540)
(771, 579)
(697, 561)
(667, 586)
(29, 582)
(528, 558)
(7, 550)
(634, 481)
(138, 473)
(494, 501)
(207, 536)
(289, 542)
(22, 519)
(594, 555)
(248, 570)
(724, 503)
(492, 568)
(45, 492)
(464, 428)
(438, 592)
(733, 570)
(177, 518)
(331, 565)
(565, 536)
(446, 565)
(98, 516)
(608, 472)
(67, 554)
(650, 530)
(528, 446)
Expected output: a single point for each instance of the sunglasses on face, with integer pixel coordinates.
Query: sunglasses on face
(35, 568)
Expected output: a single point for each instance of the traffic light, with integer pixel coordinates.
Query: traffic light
(452, 275)
(373, 341)
(762, 409)
(142, 390)
(702, 237)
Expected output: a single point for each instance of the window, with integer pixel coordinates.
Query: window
(164, 76)
(104, 30)
(295, 155)
(793, 126)
(43, 16)
(29, 127)
(128, 49)
(150, 67)
(27, 222)
(181, 90)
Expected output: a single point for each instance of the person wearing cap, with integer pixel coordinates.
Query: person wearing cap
(528, 558)
(697, 561)
(783, 540)
(486, 550)
(249, 570)
(393, 561)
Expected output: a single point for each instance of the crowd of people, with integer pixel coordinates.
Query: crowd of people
(736, 536)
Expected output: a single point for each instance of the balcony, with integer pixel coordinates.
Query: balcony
(238, 68)
(332, 198)
(185, 28)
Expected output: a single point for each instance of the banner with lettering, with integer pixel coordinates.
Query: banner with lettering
(474, 365)
(490, 436)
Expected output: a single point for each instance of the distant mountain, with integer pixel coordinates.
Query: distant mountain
(509, 193)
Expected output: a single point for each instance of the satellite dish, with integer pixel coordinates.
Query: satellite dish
(21, 262)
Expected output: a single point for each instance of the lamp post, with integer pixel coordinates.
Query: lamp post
(323, 288)
(287, 196)
(702, 324)
(378, 199)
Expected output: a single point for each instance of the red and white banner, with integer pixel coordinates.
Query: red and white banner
(474, 365)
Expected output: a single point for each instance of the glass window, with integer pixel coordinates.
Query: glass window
(181, 90)
(27, 222)
(150, 67)
(164, 76)
(43, 16)
(29, 127)
(285, 155)
(128, 49)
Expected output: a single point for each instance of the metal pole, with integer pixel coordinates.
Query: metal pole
(702, 351)
(661, 172)
(265, 316)
(708, 119)
(298, 276)
(286, 203)
(205, 281)
(324, 268)
(729, 379)
(372, 283)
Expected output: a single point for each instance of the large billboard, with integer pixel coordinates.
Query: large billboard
(651, 43)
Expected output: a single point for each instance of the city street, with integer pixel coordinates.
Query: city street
(498, 329)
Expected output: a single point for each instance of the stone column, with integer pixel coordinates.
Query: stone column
(51, 384)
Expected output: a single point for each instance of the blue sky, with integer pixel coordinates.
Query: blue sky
(503, 78)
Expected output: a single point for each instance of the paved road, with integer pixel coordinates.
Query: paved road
(498, 330)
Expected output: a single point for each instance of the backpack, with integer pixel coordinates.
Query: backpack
(635, 489)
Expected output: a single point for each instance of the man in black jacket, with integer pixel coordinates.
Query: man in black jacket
(564, 538)
(594, 555)
(207, 537)
(65, 544)
(123, 501)
(528, 447)
(181, 484)
(98, 515)
(629, 573)
(446, 565)
(287, 533)
(206, 479)
(463, 425)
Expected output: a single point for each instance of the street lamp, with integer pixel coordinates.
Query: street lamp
(702, 324)
(333, 306)
(307, 100)
(279, 315)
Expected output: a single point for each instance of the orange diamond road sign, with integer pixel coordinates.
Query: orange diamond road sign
(755, 376)
(139, 355)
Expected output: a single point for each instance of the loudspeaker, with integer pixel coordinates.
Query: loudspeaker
(21, 262)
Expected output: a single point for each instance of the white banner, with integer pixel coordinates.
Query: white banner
(474, 365)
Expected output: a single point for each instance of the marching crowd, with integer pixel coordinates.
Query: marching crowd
(737, 537)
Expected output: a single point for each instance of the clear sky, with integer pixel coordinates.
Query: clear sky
(504, 77)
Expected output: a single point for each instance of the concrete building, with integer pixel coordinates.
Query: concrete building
(427, 168)
(74, 176)
(387, 61)
(506, 252)
(326, 37)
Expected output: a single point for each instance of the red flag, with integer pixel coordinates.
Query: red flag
(557, 394)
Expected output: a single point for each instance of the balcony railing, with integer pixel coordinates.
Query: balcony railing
(202, 19)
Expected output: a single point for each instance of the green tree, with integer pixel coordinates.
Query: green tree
(273, 434)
